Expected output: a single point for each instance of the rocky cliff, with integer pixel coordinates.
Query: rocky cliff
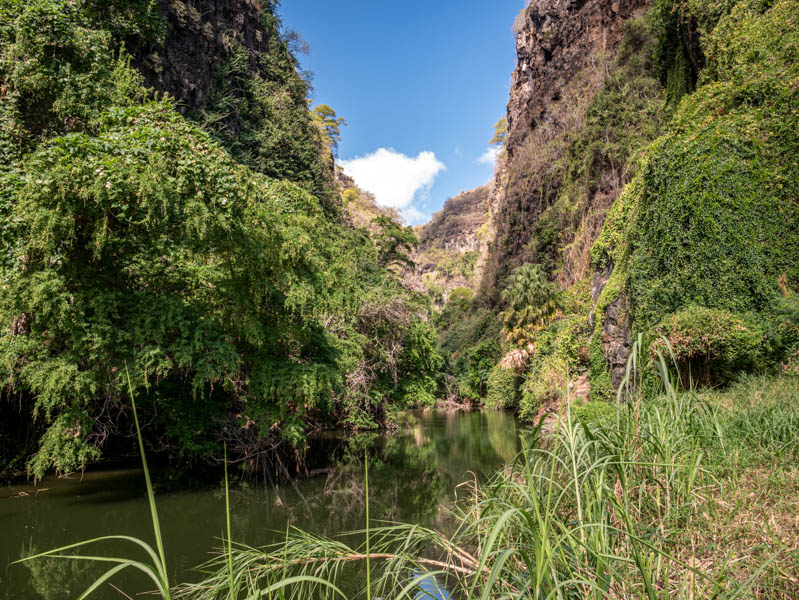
(231, 67)
(567, 52)
(562, 48)
(630, 123)
(201, 35)
(568, 151)
(453, 245)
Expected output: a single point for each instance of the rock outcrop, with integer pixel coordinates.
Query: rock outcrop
(453, 245)
(566, 51)
(556, 43)
(201, 36)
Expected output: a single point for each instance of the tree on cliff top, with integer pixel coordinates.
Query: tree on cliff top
(394, 242)
(329, 125)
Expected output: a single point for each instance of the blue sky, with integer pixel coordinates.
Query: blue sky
(420, 83)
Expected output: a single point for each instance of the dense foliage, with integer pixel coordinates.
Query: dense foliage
(698, 226)
(730, 182)
(141, 247)
(531, 300)
(711, 219)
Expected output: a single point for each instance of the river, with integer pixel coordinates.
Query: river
(413, 474)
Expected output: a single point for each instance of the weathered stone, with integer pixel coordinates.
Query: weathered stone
(564, 48)
(453, 231)
(556, 41)
(200, 36)
(615, 340)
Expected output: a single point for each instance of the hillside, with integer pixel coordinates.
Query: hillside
(453, 245)
(646, 181)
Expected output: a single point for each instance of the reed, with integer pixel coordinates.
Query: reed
(613, 508)
(609, 509)
(155, 569)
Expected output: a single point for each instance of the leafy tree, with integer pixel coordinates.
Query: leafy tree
(147, 246)
(531, 299)
(329, 124)
(394, 242)
(134, 240)
(350, 196)
(474, 368)
(500, 131)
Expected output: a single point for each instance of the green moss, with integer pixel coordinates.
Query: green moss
(599, 371)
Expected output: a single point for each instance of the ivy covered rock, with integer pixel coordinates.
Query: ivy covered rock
(712, 216)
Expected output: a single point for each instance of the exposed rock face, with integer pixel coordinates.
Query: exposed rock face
(456, 225)
(615, 340)
(564, 48)
(558, 40)
(453, 245)
(200, 37)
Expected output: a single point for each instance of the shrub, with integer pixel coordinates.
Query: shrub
(503, 388)
(560, 351)
(544, 382)
(474, 368)
(594, 412)
(709, 345)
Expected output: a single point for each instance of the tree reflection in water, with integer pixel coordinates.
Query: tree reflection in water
(413, 475)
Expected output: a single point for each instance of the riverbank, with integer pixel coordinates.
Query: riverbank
(674, 495)
(414, 472)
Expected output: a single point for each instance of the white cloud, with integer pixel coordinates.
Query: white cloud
(489, 157)
(414, 216)
(395, 179)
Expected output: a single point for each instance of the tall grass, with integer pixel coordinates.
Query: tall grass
(595, 510)
(608, 508)
(155, 570)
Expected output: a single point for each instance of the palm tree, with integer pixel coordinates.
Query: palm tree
(532, 300)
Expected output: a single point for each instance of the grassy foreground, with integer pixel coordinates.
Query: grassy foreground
(673, 495)
(679, 495)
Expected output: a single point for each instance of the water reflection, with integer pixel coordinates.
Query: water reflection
(413, 474)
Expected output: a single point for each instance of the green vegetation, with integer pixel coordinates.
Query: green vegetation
(394, 242)
(330, 124)
(696, 229)
(204, 254)
(707, 342)
(468, 338)
(214, 265)
(261, 116)
(532, 300)
(649, 499)
(500, 131)
(560, 354)
(502, 388)
(711, 218)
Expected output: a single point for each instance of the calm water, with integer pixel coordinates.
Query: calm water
(413, 474)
